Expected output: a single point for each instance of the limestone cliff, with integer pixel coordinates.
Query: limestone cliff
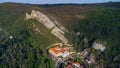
(56, 29)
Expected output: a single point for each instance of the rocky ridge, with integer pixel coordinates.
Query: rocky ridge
(56, 29)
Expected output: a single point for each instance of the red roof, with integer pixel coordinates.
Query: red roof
(57, 50)
(77, 63)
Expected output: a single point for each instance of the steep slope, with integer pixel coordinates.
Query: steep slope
(57, 29)
(27, 48)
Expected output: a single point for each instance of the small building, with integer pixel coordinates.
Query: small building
(59, 52)
(76, 65)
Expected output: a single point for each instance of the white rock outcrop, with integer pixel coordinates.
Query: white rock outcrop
(43, 19)
(28, 16)
(59, 34)
(56, 29)
(98, 46)
(61, 27)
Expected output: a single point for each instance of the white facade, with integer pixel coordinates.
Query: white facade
(65, 54)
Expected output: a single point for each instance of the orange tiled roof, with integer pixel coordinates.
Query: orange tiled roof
(77, 63)
(57, 50)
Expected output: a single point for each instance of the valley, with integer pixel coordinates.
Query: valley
(59, 35)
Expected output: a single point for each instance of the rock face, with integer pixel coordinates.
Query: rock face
(56, 29)
(60, 26)
(43, 19)
(98, 46)
(60, 34)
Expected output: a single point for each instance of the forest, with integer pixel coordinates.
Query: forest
(27, 48)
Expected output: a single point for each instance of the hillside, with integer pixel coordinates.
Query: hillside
(23, 42)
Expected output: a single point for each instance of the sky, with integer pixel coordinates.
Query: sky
(58, 1)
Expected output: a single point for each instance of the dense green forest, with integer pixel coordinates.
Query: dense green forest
(27, 48)
(104, 24)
